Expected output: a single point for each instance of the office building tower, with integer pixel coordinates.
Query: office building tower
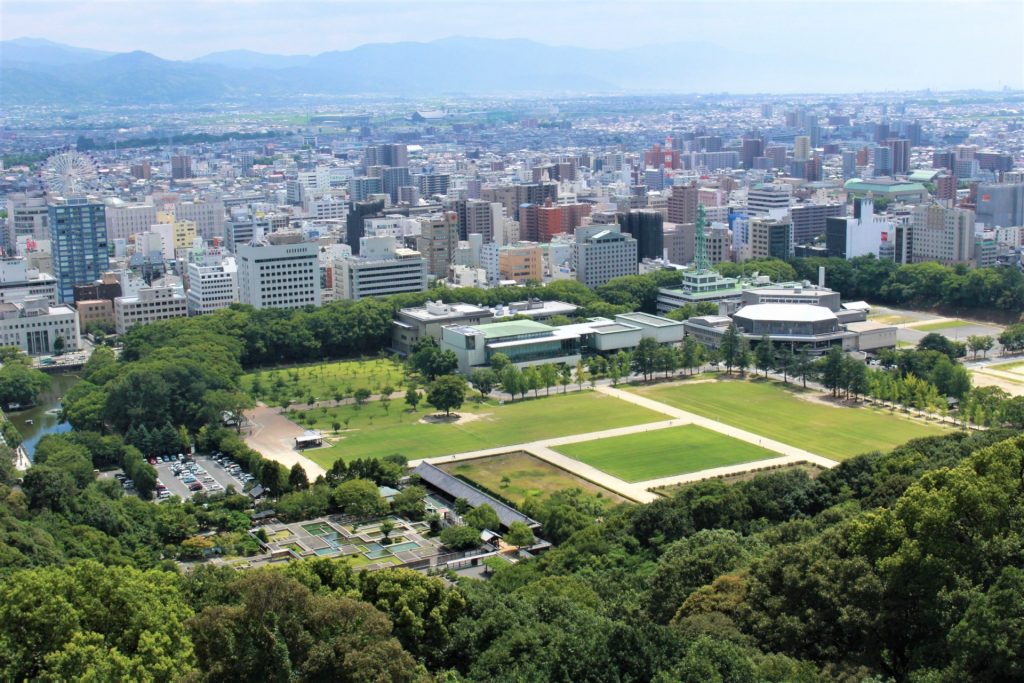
(360, 188)
(602, 252)
(245, 227)
(766, 111)
(387, 155)
(142, 170)
(279, 276)
(801, 148)
(522, 262)
(431, 184)
(682, 203)
(882, 160)
(812, 169)
(943, 159)
(212, 284)
(437, 242)
(647, 228)
(380, 269)
(809, 220)
(181, 167)
(20, 282)
(900, 155)
(942, 234)
(776, 155)
(394, 178)
(751, 148)
(998, 206)
(28, 218)
(125, 220)
(858, 235)
(763, 199)
(945, 187)
(245, 162)
(654, 178)
(989, 160)
(771, 238)
(78, 231)
(409, 195)
(849, 164)
(207, 214)
(354, 225)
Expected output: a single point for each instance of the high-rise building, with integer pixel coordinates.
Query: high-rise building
(19, 282)
(999, 206)
(78, 230)
(212, 284)
(142, 170)
(181, 167)
(858, 235)
(647, 228)
(942, 234)
(380, 269)
(763, 199)
(431, 184)
(771, 238)
(437, 242)
(279, 276)
(149, 305)
(602, 252)
(28, 217)
(882, 160)
(849, 164)
(751, 148)
(207, 214)
(900, 155)
(809, 220)
(943, 159)
(360, 188)
(522, 262)
(354, 226)
(394, 178)
(125, 220)
(682, 203)
(945, 187)
(801, 148)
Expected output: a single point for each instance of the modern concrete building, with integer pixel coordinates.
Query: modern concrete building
(413, 324)
(78, 231)
(34, 326)
(98, 312)
(809, 220)
(19, 282)
(860, 234)
(151, 304)
(771, 238)
(212, 285)
(602, 252)
(887, 188)
(1000, 206)
(207, 214)
(28, 217)
(525, 342)
(437, 242)
(942, 234)
(279, 276)
(764, 199)
(522, 262)
(381, 268)
(125, 220)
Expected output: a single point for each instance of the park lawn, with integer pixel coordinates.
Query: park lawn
(374, 432)
(528, 476)
(297, 383)
(811, 470)
(1011, 366)
(941, 325)
(664, 453)
(891, 319)
(769, 409)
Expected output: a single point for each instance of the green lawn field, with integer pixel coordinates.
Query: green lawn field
(526, 474)
(941, 325)
(374, 432)
(322, 381)
(769, 409)
(664, 452)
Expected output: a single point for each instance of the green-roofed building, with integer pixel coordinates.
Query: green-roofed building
(525, 342)
(887, 188)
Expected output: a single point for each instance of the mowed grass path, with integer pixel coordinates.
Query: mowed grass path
(322, 381)
(374, 433)
(768, 409)
(664, 452)
(527, 476)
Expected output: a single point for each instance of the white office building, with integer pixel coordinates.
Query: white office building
(279, 276)
(381, 268)
(19, 281)
(942, 234)
(212, 285)
(603, 252)
(149, 305)
(763, 200)
(208, 215)
(125, 220)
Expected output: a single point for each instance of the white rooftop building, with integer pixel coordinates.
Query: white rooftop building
(151, 304)
(34, 326)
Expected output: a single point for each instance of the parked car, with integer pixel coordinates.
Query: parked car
(195, 486)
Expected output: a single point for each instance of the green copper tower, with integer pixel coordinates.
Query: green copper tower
(700, 257)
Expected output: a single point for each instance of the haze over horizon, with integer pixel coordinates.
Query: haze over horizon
(910, 33)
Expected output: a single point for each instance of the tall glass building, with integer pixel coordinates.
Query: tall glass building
(78, 230)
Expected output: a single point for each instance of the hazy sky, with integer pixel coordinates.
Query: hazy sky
(980, 31)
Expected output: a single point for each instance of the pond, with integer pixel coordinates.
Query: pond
(43, 416)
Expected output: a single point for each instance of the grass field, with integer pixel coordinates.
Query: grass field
(941, 325)
(1011, 366)
(891, 319)
(775, 412)
(322, 381)
(664, 452)
(527, 476)
(374, 432)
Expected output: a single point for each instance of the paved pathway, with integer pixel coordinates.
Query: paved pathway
(273, 435)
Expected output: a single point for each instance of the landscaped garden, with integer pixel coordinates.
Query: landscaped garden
(381, 428)
(323, 381)
(664, 452)
(518, 475)
(777, 412)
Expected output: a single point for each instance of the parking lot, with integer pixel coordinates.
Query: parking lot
(177, 487)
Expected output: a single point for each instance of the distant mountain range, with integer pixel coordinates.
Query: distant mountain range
(36, 71)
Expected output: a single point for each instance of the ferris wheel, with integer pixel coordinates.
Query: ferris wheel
(68, 173)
